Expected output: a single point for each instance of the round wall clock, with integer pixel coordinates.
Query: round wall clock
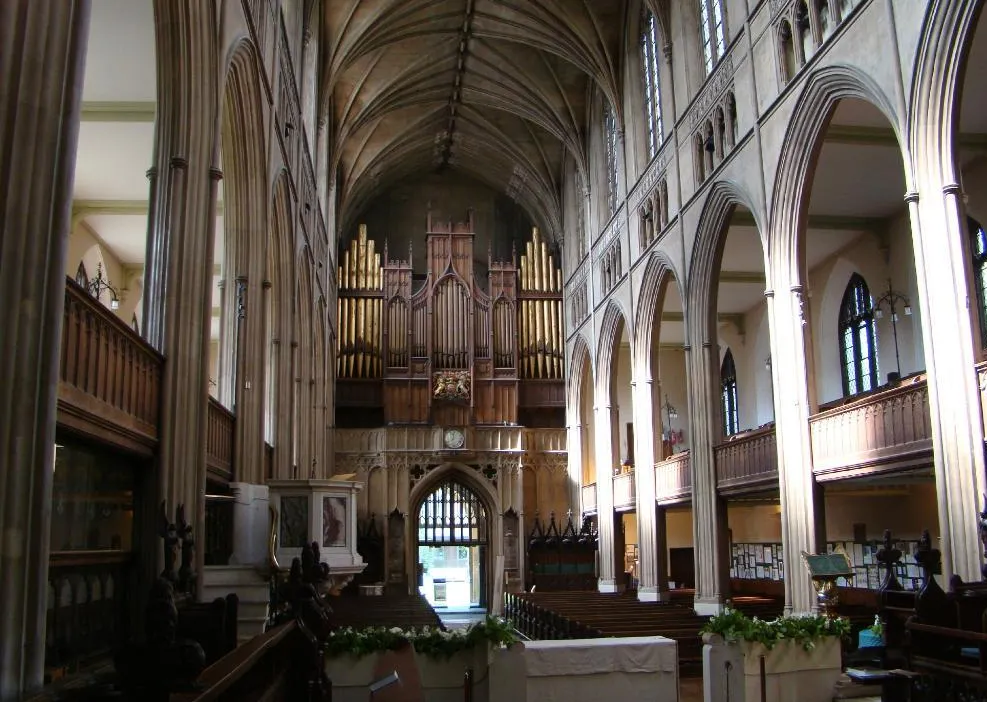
(454, 438)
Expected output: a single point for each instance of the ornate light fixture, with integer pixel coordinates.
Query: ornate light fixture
(671, 413)
(890, 300)
(99, 284)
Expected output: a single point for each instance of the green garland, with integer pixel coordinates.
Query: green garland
(429, 641)
(806, 630)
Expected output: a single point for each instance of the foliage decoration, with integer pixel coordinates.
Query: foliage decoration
(429, 641)
(734, 626)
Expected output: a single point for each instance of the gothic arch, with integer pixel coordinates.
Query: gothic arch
(660, 270)
(799, 154)
(280, 275)
(581, 361)
(722, 199)
(485, 492)
(940, 66)
(613, 318)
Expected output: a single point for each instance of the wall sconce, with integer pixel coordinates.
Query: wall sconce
(99, 284)
(767, 364)
(891, 299)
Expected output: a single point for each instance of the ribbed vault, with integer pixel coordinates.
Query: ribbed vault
(497, 89)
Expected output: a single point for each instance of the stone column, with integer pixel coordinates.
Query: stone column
(41, 71)
(574, 444)
(711, 581)
(788, 323)
(644, 479)
(178, 276)
(939, 233)
(606, 459)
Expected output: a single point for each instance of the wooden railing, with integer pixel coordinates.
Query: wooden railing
(87, 606)
(589, 498)
(624, 491)
(109, 378)
(673, 478)
(889, 430)
(220, 428)
(747, 461)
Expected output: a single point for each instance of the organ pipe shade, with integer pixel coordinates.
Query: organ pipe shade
(359, 310)
(541, 345)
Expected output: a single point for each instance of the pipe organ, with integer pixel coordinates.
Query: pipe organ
(449, 348)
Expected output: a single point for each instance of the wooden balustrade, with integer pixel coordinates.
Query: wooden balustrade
(747, 461)
(109, 377)
(589, 498)
(624, 490)
(220, 432)
(87, 606)
(888, 430)
(546, 440)
(673, 479)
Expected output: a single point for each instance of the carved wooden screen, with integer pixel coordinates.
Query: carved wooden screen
(452, 515)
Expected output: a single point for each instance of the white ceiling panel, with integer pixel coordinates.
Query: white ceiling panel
(112, 160)
(120, 53)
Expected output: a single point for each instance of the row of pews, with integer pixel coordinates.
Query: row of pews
(395, 607)
(576, 615)
(935, 640)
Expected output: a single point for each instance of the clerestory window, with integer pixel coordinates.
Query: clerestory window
(650, 65)
(713, 33)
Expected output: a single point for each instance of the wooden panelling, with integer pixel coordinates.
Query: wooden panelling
(673, 479)
(109, 378)
(220, 431)
(624, 491)
(886, 431)
(747, 462)
(589, 498)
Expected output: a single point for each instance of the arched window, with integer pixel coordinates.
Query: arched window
(978, 248)
(652, 83)
(712, 31)
(728, 395)
(858, 338)
(610, 151)
(81, 277)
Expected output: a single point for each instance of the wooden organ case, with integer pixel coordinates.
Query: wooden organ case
(449, 350)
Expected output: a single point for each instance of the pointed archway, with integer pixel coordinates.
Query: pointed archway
(455, 538)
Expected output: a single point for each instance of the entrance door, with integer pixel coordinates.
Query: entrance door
(452, 547)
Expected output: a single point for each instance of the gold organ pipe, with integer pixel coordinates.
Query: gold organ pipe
(557, 321)
(529, 344)
(532, 268)
(550, 333)
(351, 327)
(540, 330)
(547, 276)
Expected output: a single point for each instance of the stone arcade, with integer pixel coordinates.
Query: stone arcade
(705, 277)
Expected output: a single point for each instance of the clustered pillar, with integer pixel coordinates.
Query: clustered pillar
(42, 56)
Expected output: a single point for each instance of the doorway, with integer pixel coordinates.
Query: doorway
(452, 548)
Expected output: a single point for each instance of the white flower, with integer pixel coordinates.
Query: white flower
(397, 630)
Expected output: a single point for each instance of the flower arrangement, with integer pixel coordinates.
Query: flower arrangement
(807, 630)
(877, 628)
(429, 641)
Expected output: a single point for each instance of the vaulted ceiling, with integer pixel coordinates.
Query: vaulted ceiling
(498, 89)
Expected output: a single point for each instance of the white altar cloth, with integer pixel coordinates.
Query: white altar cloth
(641, 668)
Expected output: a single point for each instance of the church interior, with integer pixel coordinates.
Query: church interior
(589, 334)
